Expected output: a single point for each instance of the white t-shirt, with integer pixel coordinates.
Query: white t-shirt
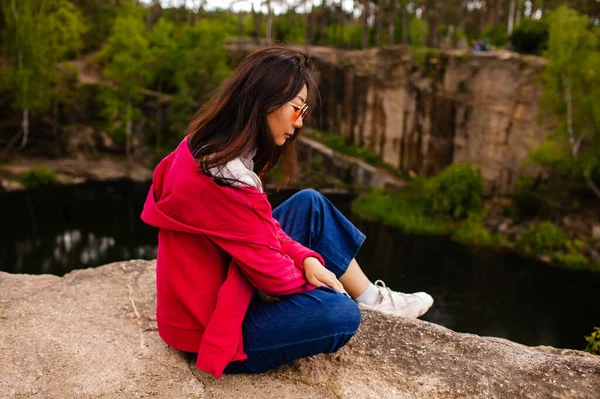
(240, 169)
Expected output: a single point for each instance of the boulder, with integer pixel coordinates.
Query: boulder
(92, 333)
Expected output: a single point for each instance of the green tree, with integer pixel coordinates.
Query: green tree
(99, 16)
(37, 35)
(572, 90)
(163, 51)
(418, 32)
(530, 36)
(65, 31)
(126, 57)
(202, 66)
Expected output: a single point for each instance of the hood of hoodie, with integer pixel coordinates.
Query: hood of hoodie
(182, 198)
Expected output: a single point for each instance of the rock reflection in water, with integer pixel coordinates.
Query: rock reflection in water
(59, 229)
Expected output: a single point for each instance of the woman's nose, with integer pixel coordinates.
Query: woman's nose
(298, 122)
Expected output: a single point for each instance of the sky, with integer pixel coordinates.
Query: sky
(244, 5)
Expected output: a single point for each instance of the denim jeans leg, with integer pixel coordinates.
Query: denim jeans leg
(309, 218)
(313, 322)
(301, 325)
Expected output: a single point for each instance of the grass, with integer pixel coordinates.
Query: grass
(36, 177)
(337, 143)
(405, 210)
(409, 211)
(419, 55)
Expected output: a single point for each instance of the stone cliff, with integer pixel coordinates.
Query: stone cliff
(424, 111)
(92, 333)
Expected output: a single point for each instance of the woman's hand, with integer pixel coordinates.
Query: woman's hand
(319, 276)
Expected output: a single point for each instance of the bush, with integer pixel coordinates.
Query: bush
(472, 231)
(532, 198)
(405, 210)
(408, 211)
(37, 177)
(542, 239)
(530, 36)
(573, 260)
(457, 192)
(593, 340)
(423, 56)
(496, 34)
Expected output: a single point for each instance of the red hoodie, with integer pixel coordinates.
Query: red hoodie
(215, 244)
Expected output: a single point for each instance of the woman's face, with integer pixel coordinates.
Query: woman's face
(282, 121)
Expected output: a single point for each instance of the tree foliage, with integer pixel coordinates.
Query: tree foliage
(530, 36)
(457, 192)
(126, 58)
(572, 95)
(202, 64)
(37, 35)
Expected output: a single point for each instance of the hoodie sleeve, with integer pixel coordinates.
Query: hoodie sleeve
(296, 251)
(267, 269)
(250, 236)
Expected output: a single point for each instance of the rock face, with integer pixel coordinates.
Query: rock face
(92, 333)
(448, 108)
(425, 114)
(346, 168)
(74, 171)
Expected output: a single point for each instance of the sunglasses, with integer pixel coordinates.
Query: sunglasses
(300, 111)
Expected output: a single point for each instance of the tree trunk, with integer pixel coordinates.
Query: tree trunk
(518, 12)
(240, 27)
(191, 11)
(511, 17)
(342, 17)
(308, 18)
(128, 132)
(379, 18)
(432, 23)
(591, 183)
(570, 133)
(494, 9)
(25, 128)
(55, 125)
(576, 142)
(365, 27)
(392, 22)
(256, 17)
(404, 24)
(268, 38)
(160, 113)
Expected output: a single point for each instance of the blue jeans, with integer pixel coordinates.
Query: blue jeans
(312, 322)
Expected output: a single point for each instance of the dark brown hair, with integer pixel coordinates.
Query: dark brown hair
(234, 121)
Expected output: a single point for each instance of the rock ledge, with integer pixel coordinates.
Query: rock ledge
(92, 333)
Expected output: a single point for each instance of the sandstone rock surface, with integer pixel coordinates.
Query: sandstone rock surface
(92, 333)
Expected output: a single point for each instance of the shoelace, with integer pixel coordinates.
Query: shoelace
(389, 292)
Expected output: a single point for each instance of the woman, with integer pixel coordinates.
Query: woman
(223, 253)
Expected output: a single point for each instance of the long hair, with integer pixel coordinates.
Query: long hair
(234, 121)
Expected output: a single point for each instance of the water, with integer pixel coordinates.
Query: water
(485, 292)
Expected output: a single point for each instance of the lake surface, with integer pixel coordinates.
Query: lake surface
(495, 293)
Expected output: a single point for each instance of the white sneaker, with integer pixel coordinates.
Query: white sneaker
(399, 304)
